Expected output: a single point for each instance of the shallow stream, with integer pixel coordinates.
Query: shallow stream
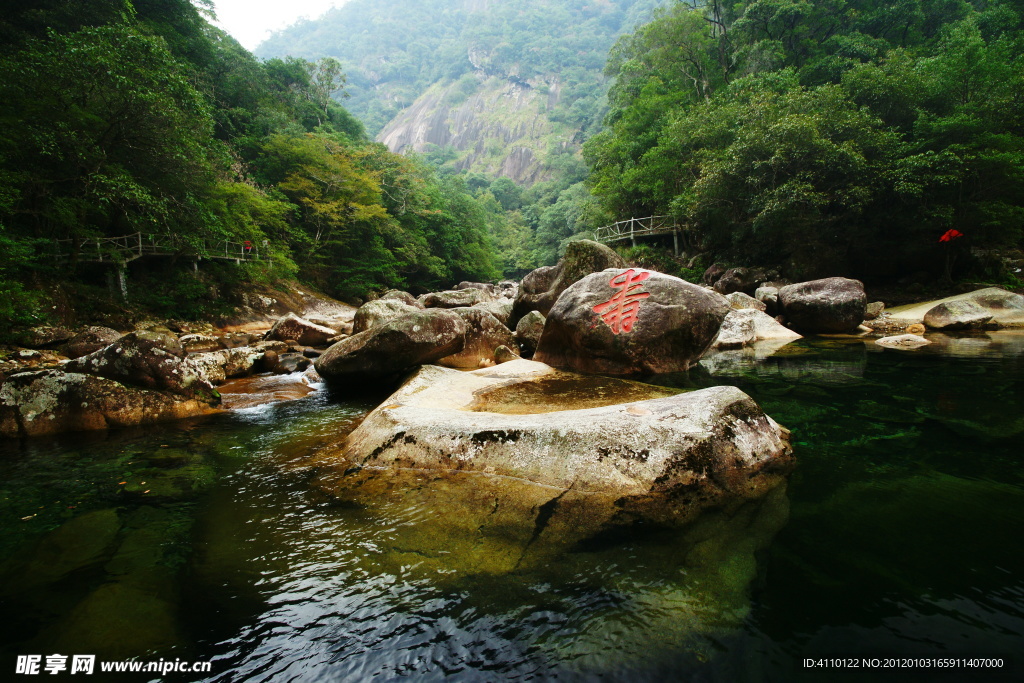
(899, 534)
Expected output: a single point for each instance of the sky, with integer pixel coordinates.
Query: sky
(251, 21)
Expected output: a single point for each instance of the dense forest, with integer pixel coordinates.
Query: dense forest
(138, 116)
(827, 137)
(822, 138)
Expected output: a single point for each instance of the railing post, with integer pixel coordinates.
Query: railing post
(675, 241)
(632, 231)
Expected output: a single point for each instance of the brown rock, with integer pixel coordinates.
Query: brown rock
(414, 339)
(484, 333)
(90, 339)
(52, 401)
(150, 361)
(830, 306)
(675, 322)
(961, 314)
(541, 288)
(304, 332)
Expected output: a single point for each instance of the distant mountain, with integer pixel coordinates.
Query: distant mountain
(499, 87)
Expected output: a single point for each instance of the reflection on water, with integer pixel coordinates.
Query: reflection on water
(214, 538)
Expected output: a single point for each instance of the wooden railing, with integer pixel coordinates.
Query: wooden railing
(633, 228)
(127, 248)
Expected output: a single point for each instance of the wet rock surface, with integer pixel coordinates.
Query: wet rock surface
(52, 401)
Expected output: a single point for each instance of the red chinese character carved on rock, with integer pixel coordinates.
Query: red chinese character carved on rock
(621, 311)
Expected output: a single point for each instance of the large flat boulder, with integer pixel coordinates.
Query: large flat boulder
(542, 287)
(631, 321)
(421, 336)
(1007, 308)
(833, 305)
(661, 458)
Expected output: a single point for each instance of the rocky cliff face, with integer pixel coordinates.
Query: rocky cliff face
(499, 129)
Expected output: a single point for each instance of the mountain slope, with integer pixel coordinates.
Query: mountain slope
(473, 75)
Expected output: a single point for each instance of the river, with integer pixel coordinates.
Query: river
(898, 535)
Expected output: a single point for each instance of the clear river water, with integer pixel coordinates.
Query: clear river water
(899, 535)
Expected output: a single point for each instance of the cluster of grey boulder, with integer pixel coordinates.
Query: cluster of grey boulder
(98, 377)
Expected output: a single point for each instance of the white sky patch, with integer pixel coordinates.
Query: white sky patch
(251, 22)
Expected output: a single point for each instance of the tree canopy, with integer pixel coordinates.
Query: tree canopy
(139, 116)
(839, 136)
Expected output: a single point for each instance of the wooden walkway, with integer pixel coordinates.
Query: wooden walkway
(645, 227)
(121, 250)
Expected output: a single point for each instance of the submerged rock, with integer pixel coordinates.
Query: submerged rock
(903, 341)
(631, 321)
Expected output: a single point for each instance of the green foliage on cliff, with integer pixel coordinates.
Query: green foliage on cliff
(138, 116)
(399, 48)
(839, 136)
